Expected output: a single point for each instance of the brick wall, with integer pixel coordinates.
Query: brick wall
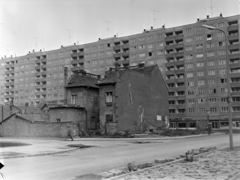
(138, 100)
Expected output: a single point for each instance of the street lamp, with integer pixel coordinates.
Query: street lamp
(228, 83)
(208, 116)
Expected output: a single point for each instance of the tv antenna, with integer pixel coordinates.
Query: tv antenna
(154, 18)
(108, 22)
(69, 35)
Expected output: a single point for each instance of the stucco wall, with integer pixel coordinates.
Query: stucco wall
(17, 127)
(88, 98)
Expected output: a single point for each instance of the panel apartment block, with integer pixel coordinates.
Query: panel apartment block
(192, 60)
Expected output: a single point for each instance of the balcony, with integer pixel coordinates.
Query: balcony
(125, 54)
(233, 37)
(179, 71)
(234, 55)
(236, 64)
(233, 27)
(117, 47)
(43, 73)
(77, 68)
(236, 74)
(38, 67)
(233, 46)
(37, 61)
(125, 46)
(169, 72)
(117, 55)
(179, 36)
(77, 54)
(77, 61)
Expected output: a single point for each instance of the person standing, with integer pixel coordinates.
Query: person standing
(69, 133)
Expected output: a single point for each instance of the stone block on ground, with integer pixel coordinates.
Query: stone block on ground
(132, 166)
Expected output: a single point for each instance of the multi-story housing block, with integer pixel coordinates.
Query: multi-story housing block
(191, 58)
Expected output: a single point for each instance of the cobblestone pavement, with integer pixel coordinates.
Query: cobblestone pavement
(217, 165)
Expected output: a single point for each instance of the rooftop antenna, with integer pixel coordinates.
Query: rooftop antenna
(211, 7)
(108, 22)
(69, 35)
(154, 18)
(35, 38)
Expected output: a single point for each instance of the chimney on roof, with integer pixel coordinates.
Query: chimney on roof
(40, 50)
(141, 65)
(115, 36)
(151, 27)
(163, 26)
(207, 16)
(74, 44)
(198, 19)
(33, 50)
(221, 15)
(99, 39)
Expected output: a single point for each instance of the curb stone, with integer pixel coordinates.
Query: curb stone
(163, 162)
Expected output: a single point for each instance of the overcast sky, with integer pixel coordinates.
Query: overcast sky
(47, 24)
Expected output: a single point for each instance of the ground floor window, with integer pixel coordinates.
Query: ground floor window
(182, 125)
(109, 118)
(224, 124)
(193, 125)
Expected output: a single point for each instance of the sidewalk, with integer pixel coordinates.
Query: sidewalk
(217, 165)
(39, 147)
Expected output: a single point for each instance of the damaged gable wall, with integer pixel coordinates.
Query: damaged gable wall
(140, 99)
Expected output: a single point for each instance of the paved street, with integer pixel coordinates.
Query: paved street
(108, 154)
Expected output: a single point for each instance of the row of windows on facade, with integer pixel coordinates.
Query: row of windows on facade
(159, 52)
(213, 109)
(210, 72)
(209, 63)
(210, 100)
(108, 98)
(203, 110)
(208, 54)
(152, 37)
(207, 46)
(55, 95)
(54, 88)
(27, 64)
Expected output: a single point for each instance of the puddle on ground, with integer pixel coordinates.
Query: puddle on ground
(12, 154)
(89, 177)
(80, 146)
(144, 142)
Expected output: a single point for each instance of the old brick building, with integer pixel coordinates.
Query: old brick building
(132, 98)
(82, 91)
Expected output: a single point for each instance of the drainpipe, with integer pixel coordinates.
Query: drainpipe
(86, 118)
(65, 83)
(2, 113)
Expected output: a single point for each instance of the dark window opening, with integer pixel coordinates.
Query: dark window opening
(109, 118)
